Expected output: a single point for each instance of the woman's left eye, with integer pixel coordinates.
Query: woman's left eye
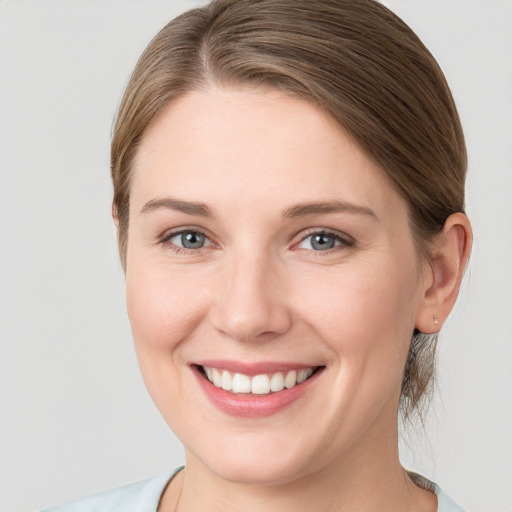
(322, 241)
(189, 239)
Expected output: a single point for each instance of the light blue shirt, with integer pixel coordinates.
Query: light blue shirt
(144, 497)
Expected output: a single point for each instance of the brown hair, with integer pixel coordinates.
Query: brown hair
(354, 59)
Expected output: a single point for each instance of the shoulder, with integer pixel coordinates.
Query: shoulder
(444, 502)
(137, 497)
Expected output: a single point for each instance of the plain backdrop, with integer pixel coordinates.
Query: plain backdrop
(74, 414)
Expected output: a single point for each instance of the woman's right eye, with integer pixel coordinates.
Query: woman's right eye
(188, 239)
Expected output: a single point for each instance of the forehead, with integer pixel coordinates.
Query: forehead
(244, 146)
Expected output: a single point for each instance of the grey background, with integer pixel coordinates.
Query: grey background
(74, 415)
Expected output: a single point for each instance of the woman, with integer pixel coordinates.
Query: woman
(289, 198)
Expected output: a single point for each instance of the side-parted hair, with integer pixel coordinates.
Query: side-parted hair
(357, 62)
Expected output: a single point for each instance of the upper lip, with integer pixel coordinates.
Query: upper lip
(253, 368)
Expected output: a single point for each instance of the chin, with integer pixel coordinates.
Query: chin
(257, 471)
(257, 461)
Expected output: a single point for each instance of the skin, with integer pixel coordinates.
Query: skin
(259, 291)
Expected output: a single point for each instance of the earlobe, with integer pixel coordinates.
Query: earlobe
(115, 216)
(450, 254)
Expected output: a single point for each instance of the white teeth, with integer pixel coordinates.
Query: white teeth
(259, 384)
(290, 379)
(304, 374)
(241, 383)
(216, 378)
(301, 375)
(227, 381)
(277, 382)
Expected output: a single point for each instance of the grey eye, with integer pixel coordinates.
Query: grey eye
(322, 242)
(319, 242)
(190, 240)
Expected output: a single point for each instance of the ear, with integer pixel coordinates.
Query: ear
(115, 216)
(449, 256)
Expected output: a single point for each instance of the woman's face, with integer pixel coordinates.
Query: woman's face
(264, 246)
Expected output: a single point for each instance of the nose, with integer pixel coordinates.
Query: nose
(251, 301)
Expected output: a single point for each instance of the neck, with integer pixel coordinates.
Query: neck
(367, 478)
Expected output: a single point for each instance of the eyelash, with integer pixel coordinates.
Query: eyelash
(344, 241)
(166, 240)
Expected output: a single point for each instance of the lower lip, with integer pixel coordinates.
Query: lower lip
(253, 406)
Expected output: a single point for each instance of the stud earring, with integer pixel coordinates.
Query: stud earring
(436, 320)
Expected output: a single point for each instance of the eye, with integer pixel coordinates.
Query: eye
(323, 241)
(188, 239)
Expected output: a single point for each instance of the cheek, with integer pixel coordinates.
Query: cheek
(162, 307)
(365, 311)
(163, 310)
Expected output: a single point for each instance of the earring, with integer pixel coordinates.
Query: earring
(436, 320)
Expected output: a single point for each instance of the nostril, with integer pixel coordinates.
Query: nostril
(250, 304)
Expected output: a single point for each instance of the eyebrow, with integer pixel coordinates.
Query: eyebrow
(306, 209)
(188, 207)
(296, 211)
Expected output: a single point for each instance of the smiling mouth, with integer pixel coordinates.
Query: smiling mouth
(263, 384)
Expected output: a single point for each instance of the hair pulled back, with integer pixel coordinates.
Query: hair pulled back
(356, 61)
